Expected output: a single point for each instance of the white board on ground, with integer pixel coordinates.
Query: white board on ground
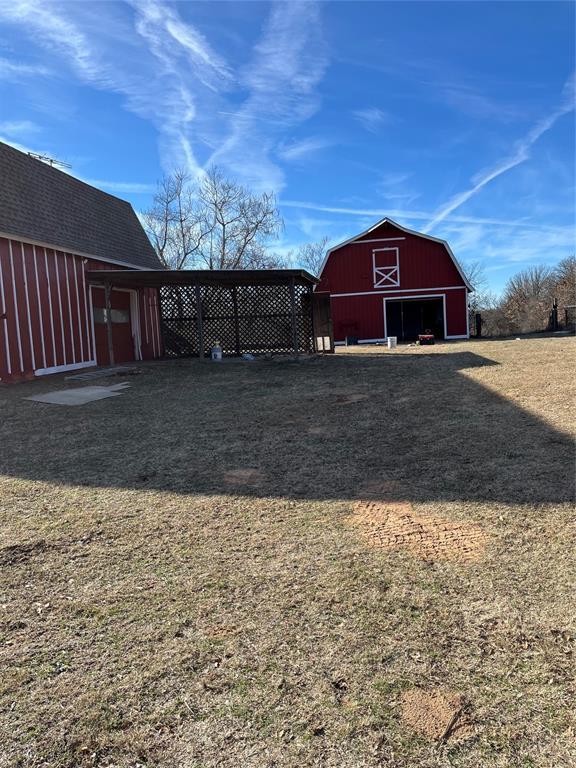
(80, 395)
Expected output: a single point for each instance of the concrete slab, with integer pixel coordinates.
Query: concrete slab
(80, 396)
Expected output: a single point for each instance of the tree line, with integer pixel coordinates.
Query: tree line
(526, 303)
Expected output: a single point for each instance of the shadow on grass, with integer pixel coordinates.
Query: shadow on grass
(326, 428)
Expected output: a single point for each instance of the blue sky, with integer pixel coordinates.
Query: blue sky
(453, 118)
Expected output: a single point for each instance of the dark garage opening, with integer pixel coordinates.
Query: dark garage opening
(406, 318)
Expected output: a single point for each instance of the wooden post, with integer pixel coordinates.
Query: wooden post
(108, 302)
(199, 322)
(312, 319)
(555, 315)
(236, 320)
(293, 307)
(162, 350)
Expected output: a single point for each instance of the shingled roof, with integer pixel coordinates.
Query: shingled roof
(41, 203)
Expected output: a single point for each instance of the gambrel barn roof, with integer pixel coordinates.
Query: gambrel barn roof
(47, 206)
(387, 220)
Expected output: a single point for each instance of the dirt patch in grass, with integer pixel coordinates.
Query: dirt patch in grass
(439, 715)
(20, 553)
(395, 526)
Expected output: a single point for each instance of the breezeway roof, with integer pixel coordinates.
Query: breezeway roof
(225, 278)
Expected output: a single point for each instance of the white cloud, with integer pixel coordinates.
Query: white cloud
(520, 154)
(372, 118)
(170, 74)
(19, 128)
(394, 187)
(300, 149)
(504, 247)
(59, 32)
(159, 70)
(125, 187)
(473, 104)
(15, 70)
(408, 215)
(287, 64)
(313, 227)
(169, 38)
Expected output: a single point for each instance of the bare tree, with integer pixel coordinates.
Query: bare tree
(528, 297)
(311, 255)
(240, 223)
(174, 224)
(482, 297)
(213, 223)
(565, 282)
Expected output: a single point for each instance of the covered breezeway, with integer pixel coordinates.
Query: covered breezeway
(255, 311)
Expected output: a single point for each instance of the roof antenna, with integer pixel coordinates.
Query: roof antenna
(50, 160)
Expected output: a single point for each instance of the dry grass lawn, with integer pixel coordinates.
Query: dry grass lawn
(353, 561)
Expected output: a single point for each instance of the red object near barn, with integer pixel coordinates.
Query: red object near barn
(393, 281)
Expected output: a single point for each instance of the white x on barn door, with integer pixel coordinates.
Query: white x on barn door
(386, 267)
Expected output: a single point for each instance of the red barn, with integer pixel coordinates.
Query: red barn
(53, 229)
(392, 281)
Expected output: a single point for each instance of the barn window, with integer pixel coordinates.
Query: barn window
(117, 315)
(386, 266)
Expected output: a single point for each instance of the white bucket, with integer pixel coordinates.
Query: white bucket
(392, 342)
(216, 353)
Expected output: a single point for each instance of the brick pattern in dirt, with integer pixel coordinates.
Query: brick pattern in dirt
(395, 526)
(439, 715)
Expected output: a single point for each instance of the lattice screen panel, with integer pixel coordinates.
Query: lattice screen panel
(178, 315)
(254, 318)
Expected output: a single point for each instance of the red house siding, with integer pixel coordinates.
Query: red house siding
(46, 321)
(387, 264)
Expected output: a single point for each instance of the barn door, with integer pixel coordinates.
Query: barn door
(407, 318)
(322, 320)
(122, 331)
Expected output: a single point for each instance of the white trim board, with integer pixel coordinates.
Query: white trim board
(50, 306)
(383, 341)
(92, 331)
(40, 307)
(386, 220)
(4, 318)
(28, 313)
(360, 341)
(401, 290)
(16, 309)
(374, 240)
(64, 368)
